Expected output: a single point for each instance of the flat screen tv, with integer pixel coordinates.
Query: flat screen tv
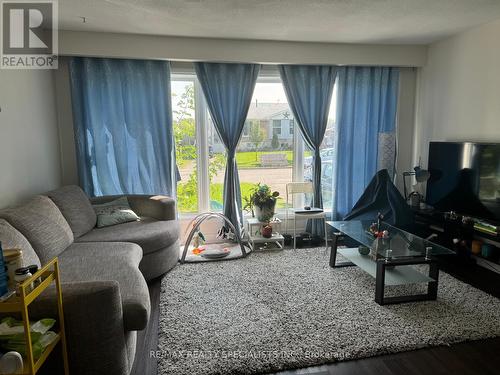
(465, 177)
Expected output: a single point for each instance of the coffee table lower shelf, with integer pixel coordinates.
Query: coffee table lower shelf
(395, 272)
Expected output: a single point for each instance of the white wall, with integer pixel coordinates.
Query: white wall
(69, 172)
(29, 145)
(405, 122)
(459, 90)
(73, 43)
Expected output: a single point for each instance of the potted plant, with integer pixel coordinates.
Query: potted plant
(262, 201)
(248, 207)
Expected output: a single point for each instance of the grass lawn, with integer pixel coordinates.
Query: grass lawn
(251, 159)
(188, 202)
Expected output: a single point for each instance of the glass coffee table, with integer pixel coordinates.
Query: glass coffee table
(390, 260)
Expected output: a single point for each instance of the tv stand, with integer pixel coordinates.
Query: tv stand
(475, 269)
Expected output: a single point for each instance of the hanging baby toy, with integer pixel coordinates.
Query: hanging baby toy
(200, 246)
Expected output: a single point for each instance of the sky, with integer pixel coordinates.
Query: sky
(265, 92)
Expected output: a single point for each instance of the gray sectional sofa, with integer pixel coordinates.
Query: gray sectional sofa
(103, 270)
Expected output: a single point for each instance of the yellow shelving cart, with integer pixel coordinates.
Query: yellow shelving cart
(47, 275)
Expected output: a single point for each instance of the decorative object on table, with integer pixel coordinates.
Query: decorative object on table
(200, 246)
(476, 247)
(263, 201)
(267, 231)
(421, 175)
(376, 228)
(487, 250)
(364, 250)
(380, 217)
(22, 274)
(13, 260)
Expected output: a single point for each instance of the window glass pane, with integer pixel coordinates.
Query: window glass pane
(183, 108)
(216, 166)
(327, 157)
(265, 152)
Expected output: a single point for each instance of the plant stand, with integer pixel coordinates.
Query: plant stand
(255, 238)
(275, 242)
(254, 222)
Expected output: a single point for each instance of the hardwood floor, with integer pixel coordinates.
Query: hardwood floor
(477, 357)
(147, 340)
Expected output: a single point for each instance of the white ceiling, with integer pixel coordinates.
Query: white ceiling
(346, 21)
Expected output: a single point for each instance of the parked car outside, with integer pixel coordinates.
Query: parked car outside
(327, 160)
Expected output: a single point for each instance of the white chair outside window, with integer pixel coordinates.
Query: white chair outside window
(293, 188)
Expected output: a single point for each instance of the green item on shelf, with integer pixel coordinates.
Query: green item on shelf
(12, 335)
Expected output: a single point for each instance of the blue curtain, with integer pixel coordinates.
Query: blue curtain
(309, 92)
(123, 126)
(366, 113)
(228, 90)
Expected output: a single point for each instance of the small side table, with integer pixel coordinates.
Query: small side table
(254, 222)
(47, 275)
(258, 242)
(275, 242)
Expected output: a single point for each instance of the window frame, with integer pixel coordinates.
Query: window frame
(246, 130)
(201, 125)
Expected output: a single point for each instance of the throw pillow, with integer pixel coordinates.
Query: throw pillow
(114, 212)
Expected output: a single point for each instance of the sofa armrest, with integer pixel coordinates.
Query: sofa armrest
(94, 326)
(158, 207)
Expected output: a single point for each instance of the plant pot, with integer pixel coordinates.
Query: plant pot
(266, 211)
(267, 231)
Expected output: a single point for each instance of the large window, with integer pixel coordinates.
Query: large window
(266, 156)
(271, 150)
(216, 167)
(184, 123)
(327, 151)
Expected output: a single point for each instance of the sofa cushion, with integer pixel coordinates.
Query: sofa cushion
(11, 238)
(111, 261)
(43, 225)
(150, 234)
(75, 207)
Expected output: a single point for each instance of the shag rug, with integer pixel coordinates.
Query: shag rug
(282, 310)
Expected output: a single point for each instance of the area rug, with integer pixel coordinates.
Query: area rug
(289, 309)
